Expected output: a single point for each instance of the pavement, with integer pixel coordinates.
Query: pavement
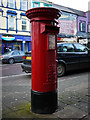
(73, 99)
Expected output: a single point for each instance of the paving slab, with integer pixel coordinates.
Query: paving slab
(6, 110)
(70, 112)
(10, 115)
(72, 100)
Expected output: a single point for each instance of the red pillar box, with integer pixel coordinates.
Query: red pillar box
(44, 32)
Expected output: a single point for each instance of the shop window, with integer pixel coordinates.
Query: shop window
(9, 47)
(11, 3)
(3, 2)
(11, 22)
(29, 5)
(5, 48)
(24, 5)
(89, 28)
(82, 26)
(23, 25)
(26, 47)
(16, 47)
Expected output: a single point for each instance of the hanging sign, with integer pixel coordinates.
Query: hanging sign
(8, 37)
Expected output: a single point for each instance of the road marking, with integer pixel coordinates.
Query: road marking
(15, 75)
(30, 74)
(1, 65)
(68, 78)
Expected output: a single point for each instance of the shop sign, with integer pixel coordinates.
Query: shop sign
(8, 37)
(68, 27)
(69, 39)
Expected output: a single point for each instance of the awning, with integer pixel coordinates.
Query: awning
(11, 12)
(65, 36)
(23, 14)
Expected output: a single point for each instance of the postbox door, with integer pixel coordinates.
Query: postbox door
(51, 61)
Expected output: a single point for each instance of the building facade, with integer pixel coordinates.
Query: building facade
(67, 23)
(82, 29)
(41, 3)
(88, 14)
(88, 27)
(68, 27)
(15, 28)
(74, 25)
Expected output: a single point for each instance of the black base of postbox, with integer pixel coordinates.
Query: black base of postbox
(43, 102)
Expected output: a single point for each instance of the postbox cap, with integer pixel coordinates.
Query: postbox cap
(43, 12)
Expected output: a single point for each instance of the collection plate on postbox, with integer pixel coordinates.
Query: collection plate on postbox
(52, 42)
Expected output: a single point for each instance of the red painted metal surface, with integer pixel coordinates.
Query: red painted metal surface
(44, 70)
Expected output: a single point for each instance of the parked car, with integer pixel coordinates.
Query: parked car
(12, 56)
(70, 56)
(26, 65)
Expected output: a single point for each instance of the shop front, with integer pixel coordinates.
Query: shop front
(15, 42)
(66, 39)
(68, 27)
(83, 38)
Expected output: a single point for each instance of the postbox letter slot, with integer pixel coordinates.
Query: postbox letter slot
(47, 28)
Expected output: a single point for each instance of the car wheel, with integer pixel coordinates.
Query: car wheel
(11, 61)
(60, 70)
